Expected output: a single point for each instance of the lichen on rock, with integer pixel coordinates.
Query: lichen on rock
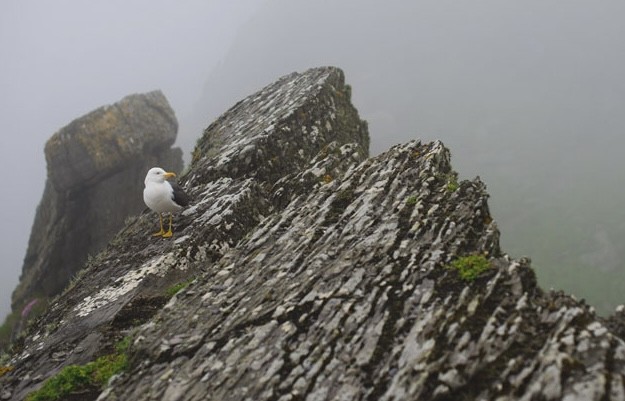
(321, 274)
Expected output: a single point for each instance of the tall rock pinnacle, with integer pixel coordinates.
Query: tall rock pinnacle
(96, 166)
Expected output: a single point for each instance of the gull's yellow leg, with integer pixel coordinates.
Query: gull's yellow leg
(162, 232)
(169, 233)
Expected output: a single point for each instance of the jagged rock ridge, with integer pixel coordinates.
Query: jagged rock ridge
(126, 284)
(323, 277)
(95, 166)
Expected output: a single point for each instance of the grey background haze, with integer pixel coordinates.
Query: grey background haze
(527, 94)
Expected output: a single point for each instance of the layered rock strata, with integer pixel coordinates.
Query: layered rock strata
(282, 141)
(314, 273)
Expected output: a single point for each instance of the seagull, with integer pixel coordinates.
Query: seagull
(163, 196)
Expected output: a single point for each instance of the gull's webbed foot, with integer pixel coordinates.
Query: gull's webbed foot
(162, 232)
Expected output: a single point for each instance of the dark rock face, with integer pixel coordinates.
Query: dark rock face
(322, 275)
(96, 166)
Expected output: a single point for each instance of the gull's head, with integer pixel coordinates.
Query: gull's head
(157, 175)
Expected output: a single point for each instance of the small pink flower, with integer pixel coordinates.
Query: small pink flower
(28, 308)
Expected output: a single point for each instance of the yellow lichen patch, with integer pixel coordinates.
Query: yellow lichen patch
(196, 155)
(5, 369)
(327, 179)
(124, 144)
(100, 136)
(108, 121)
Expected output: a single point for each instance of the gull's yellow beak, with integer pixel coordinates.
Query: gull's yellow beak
(169, 175)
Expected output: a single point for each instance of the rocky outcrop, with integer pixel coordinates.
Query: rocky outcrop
(96, 166)
(314, 273)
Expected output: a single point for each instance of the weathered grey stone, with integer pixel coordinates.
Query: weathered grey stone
(324, 277)
(107, 139)
(126, 284)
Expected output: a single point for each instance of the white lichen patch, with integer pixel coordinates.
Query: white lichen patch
(208, 195)
(224, 205)
(182, 239)
(522, 302)
(472, 307)
(125, 284)
(597, 329)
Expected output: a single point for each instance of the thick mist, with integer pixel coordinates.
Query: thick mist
(527, 94)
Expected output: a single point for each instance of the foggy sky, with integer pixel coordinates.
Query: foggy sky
(528, 94)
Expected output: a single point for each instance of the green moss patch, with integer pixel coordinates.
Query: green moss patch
(470, 267)
(452, 182)
(176, 288)
(452, 185)
(81, 378)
